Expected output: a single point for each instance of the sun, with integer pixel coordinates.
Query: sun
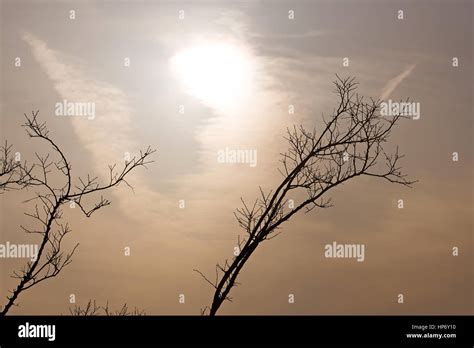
(220, 74)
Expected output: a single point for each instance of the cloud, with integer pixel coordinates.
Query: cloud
(395, 82)
(106, 143)
(110, 134)
(310, 34)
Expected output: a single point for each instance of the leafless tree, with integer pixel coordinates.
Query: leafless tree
(49, 201)
(92, 309)
(350, 145)
(10, 173)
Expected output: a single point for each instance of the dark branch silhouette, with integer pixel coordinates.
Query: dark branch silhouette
(350, 145)
(92, 309)
(49, 200)
(10, 173)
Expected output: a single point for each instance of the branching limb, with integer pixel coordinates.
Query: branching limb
(51, 259)
(351, 144)
(92, 309)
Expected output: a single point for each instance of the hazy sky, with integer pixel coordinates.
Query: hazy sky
(234, 67)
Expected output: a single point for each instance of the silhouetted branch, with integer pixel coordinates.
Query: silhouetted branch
(10, 173)
(350, 145)
(51, 259)
(92, 309)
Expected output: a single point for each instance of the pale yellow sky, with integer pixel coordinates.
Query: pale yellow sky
(241, 65)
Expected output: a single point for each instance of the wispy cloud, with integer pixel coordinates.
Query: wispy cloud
(109, 136)
(395, 82)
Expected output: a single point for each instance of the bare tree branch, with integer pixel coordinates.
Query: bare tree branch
(350, 145)
(92, 309)
(10, 173)
(51, 259)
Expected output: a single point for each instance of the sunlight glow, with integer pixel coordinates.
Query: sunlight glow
(218, 74)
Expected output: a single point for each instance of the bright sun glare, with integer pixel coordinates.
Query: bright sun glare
(218, 74)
